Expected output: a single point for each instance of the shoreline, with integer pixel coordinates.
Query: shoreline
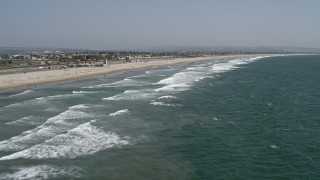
(22, 80)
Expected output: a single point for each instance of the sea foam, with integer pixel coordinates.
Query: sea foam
(22, 93)
(120, 112)
(164, 104)
(132, 95)
(83, 140)
(123, 83)
(50, 128)
(41, 172)
(167, 97)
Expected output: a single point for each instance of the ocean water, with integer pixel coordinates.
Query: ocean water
(236, 118)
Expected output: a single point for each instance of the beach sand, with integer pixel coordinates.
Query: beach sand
(31, 78)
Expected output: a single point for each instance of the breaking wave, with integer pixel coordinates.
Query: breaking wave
(120, 112)
(164, 104)
(52, 127)
(83, 140)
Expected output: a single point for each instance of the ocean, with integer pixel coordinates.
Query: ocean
(235, 118)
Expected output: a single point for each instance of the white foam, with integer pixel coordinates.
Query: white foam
(22, 93)
(174, 87)
(167, 97)
(84, 92)
(52, 127)
(233, 64)
(132, 95)
(36, 101)
(183, 80)
(159, 70)
(223, 67)
(164, 104)
(123, 83)
(184, 77)
(60, 96)
(79, 106)
(41, 172)
(82, 140)
(198, 68)
(274, 146)
(120, 112)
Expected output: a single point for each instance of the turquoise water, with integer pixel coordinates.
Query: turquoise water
(244, 118)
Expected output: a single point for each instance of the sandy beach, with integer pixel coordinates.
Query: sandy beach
(31, 78)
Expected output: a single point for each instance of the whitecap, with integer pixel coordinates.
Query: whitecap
(167, 97)
(163, 104)
(120, 112)
(60, 96)
(215, 119)
(79, 106)
(174, 87)
(85, 139)
(132, 95)
(159, 70)
(84, 92)
(222, 67)
(184, 77)
(123, 83)
(274, 146)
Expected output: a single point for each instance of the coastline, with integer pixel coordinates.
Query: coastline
(20, 80)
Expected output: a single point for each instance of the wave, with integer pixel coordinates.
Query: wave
(79, 106)
(123, 83)
(174, 87)
(60, 96)
(41, 172)
(137, 76)
(120, 112)
(233, 64)
(185, 77)
(85, 139)
(274, 146)
(51, 110)
(22, 93)
(222, 67)
(36, 101)
(23, 121)
(164, 104)
(52, 127)
(167, 97)
(40, 100)
(159, 70)
(84, 92)
(182, 81)
(132, 95)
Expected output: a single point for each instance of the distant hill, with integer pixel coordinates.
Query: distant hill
(234, 48)
(17, 50)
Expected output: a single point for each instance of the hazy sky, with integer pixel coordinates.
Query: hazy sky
(131, 24)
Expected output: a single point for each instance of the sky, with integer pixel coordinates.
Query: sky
(134, 24)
